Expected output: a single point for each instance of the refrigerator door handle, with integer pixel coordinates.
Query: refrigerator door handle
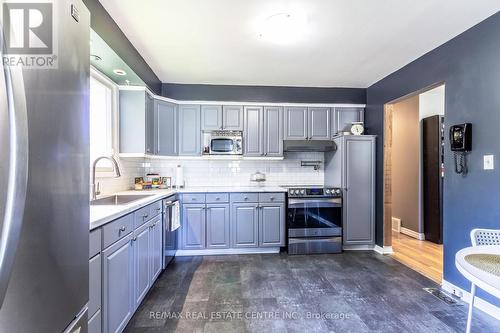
(17, 179)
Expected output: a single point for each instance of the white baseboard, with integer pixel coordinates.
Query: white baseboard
(383, 249)
(214, 252)
(411, 233)
(357, 247)
(479, 303)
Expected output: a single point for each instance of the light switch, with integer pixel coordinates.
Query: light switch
(488, 163)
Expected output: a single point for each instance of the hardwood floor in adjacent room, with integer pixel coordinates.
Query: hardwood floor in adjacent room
(422, 256)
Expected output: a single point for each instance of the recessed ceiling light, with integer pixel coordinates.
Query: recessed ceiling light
(283, 28)
(119, 72)
(95, 57)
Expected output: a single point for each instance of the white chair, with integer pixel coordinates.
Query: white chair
(480, 237)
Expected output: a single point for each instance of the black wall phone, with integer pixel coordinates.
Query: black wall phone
(460, 144)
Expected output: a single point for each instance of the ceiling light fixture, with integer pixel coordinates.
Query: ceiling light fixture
(283, 28)
(120, 72)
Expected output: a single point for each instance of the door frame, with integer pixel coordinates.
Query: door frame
(387, 163)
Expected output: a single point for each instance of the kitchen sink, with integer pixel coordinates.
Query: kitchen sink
(116, 200)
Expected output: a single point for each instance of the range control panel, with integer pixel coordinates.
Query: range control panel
(315, 192)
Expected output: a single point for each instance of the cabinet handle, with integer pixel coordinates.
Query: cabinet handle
(246, 198)
(145, 216)
(217, 198)
(122, 229)
(272, 198)
(158, 209)
(134, 239)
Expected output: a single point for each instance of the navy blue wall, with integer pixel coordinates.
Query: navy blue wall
(104, 25)
(470, 67)
(270, 94)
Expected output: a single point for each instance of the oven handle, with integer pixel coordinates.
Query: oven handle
(331, 202)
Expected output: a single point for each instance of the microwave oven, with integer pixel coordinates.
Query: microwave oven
(223, 143)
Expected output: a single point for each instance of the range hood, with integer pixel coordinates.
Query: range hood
(308, 145)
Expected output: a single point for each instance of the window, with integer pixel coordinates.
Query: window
(101, 120)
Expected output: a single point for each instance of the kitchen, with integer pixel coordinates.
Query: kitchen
(209, 199)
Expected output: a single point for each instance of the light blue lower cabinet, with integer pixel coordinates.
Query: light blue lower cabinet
(271, 224)
(94, 285)
(244, 225)
(156, 248)
(193, 226)
(141, 245)
(118, 283)
(217, 216)
(95, 323)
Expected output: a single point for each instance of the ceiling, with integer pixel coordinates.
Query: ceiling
(351, 43)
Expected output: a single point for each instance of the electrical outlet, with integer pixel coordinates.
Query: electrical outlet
(488, 162)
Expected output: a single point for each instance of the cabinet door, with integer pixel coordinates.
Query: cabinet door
(150, 125)
(245, 225)
(359, 227)
(156, 248)
(273, 131)
(189, 130)
(253, 143)
(193, 226)
(118, 285)
(343, 117)
(132, 122)
(95, 279)
(319, 123)
(295, 123)
(218, 226)
(211, 117)
(272, 224)
(166, 128)
(232, 119)
(141, 263)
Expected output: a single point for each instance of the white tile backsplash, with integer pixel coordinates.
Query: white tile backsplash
(220, 172)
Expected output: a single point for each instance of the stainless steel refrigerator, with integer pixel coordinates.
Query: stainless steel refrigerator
(44, 185)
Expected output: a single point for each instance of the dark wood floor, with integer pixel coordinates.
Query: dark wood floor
(349, 292)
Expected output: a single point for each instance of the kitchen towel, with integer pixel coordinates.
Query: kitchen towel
(176, 216)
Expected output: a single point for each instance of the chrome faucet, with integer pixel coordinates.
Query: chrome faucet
(116, 169)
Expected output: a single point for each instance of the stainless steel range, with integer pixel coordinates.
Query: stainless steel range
(314, 220)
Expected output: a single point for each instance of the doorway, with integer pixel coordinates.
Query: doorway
(413, 175)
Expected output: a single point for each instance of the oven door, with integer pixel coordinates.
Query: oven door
(222, 146)
(320, 217)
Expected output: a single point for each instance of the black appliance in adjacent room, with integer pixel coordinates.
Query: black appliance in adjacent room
(432, 177)
(314, 220)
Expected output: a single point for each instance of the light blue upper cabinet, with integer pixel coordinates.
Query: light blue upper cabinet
(273, 131)
(189, 130)
(296, 123)
(318, 120)
(232, 117)
(344, 117)
(254, 135)
(132, 121)
(166, 128)
(150, 125)
(211, 117)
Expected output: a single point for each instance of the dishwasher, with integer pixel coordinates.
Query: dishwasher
(171, 225)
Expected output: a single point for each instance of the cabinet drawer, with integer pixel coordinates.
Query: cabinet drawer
(217, 197)
(95, 241)
(117, 229)
(193, 198)
(271, 197)
(141, 216)
(244, 197)
(155, 209)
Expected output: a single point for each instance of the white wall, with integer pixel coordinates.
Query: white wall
(431, 102)
(219, 172)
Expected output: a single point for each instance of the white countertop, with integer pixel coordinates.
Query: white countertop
(100, 215)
